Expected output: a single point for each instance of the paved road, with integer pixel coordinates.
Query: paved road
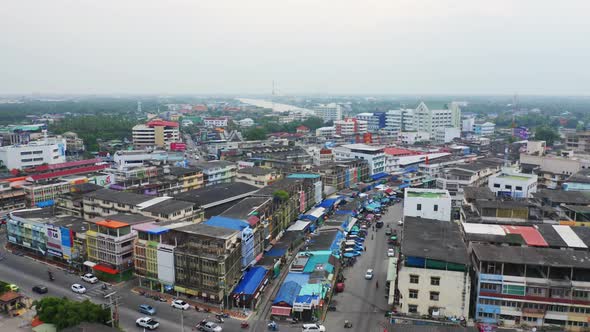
(26, 273)
(361, 302)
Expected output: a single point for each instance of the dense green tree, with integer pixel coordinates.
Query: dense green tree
(93, 127)
(281, 195)
(65, 313)
(547, 134)
(255, 134)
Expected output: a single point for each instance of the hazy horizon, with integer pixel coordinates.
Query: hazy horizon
(374, 47)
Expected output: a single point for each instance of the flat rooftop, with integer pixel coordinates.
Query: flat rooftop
(434, 239)
(206, 230)
(532, 256)
(427, 193)
(514, 177)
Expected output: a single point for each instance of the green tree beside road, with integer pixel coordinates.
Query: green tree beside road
(64, 313)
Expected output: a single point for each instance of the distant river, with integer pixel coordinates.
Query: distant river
(276, 107)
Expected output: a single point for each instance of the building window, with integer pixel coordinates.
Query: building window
(508, 186)
(435, 281)
(435, 207)
(496, 185)
(519, 188)
(434, 296)
(414, 279)
(413, 293)
(412, 308)
(419, 207)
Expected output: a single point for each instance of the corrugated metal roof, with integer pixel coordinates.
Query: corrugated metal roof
(531, 236)
(569, 236)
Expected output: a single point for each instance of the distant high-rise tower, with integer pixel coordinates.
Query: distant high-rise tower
(139, 107)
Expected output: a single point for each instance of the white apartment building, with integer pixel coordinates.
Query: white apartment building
(48, 151)
(350, 126)
(536, 147)
(468, 124)
(511, 182)
(434, 278)
(127, 159)
(399, 120)
(446, 134)
(427, 203)
(429, 120)
(374, 155)
(216, 122)
(475, 174)
(411, 137)
(328, 112)
(325, 132)
(484, 129)
(375, 121)
(155, 134)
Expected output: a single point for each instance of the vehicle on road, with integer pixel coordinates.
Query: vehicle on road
(147, 309)
(400, 222)
(388, 232)
(147, 322)
(89, 277)
(209, 327)
(180, 304)
(379, 224)
(369, 274)
(390, 252)
(40, 289)
(313, 328)
(77, 288)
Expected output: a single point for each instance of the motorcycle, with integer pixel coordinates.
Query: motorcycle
(347, 324)
(104, 286)
(219, 318)
(272, 326)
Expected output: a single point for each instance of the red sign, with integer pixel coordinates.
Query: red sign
(302, 201)
(177, 146)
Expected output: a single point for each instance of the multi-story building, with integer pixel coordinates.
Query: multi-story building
(218, 171)
(190, 178)
(74, 144)
(48, 151)
(468, 124)
(127, 159)
(484, 129)
(434, 279)
(455, 178)
(374, 155)
(429, 120)
(350, 127)
(344, 174)
(110, 245)
(446, 134)
(552, 170)
(206, 261)
(328, 112)
(512, 183)
(427, 203)
(375, 121)
(578, 141)
(325, 132)
(216, 122)
(44, 233)
(399, 120)
(412, 137)
(258, 176)
(105, 202)
(155, 134)
(532, 286)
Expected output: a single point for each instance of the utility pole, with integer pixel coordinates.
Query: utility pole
(113, 305)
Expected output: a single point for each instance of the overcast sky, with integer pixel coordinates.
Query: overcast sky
(306, 46)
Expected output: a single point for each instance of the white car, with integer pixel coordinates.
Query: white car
(313, 328)
(369, 274)
(89, 277)
(209, 327)
(180, 304)
(390, 252)
(400, 222)
(77, 288)
(147, 323)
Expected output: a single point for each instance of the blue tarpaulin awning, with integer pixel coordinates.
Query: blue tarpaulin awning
(251, 280)
(379, 176)
(287, 293)
(329, 203)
